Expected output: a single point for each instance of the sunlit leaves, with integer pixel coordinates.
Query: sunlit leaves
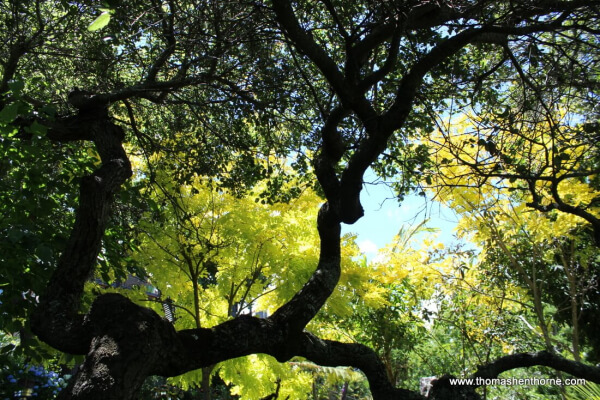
(479, 167)
(101, 21)
(504, 175)
(217, 256)
(266, 373)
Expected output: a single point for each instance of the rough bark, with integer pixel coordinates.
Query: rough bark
(57, 321)
(127, 342)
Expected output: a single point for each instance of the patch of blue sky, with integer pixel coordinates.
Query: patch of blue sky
(385, 216)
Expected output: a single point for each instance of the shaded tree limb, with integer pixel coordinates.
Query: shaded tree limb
(541, 358)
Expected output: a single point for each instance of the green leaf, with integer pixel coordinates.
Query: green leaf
(100, 22)
(16, 87)
(14, 235)
(37, 129)
(7, 349)
(9, 113)
(44, 253)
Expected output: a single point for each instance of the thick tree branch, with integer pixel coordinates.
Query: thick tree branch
(542, 358)
(306, 44)
(430, 14)
(298, 312)
(147, 90)
(387, 67)
(328, 157)
(56, 320)
(332, 353)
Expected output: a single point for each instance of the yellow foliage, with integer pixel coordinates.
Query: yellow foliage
(467, 180)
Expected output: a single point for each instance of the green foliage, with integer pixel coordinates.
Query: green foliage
(589, 391)
(38, 191)
(34, 219)
(217, 256)
(101, 21)
(21, 378)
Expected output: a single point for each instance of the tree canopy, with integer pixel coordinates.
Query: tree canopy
(190, 142)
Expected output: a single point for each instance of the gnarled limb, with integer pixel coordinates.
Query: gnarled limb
(541, 358)
(56, 320)
(332, 353)
(298, 312)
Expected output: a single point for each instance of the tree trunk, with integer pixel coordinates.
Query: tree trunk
(206, 390)
(128, 342)
(344, 395)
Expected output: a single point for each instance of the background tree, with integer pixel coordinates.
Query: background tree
(540, 134)
(551, 255)
(217, 257)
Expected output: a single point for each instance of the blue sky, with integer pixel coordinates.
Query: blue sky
(384, 217)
